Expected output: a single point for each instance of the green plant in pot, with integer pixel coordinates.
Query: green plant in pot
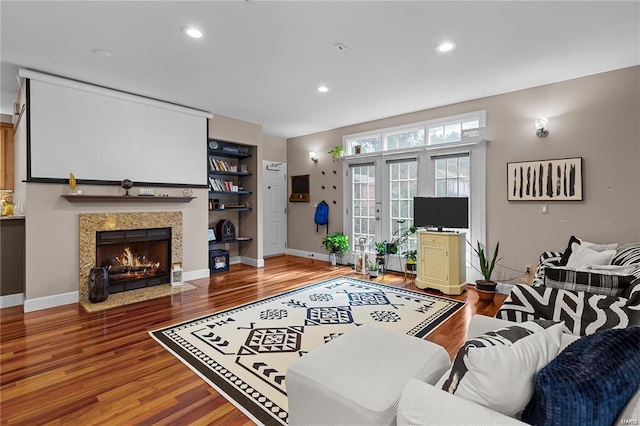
(400, 237)
(373, 269)
(411, 261)
(486, 287)
(336, 152)
(336, 244)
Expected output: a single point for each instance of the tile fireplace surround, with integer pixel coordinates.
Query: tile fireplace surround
(90, 223)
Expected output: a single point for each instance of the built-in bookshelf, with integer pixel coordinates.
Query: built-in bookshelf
(227, 172)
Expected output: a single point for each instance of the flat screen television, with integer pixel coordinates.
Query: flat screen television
(441, 212)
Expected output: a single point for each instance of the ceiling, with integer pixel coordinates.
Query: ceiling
(262, 61)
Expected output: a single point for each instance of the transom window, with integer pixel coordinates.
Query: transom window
(460, 128)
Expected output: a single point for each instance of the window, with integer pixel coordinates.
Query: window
(453, 178)
(404, 139)
(433, 132)
(439, 158)
(366, 144)
(403, 187)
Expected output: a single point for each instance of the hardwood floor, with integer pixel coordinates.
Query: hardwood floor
(65, 366)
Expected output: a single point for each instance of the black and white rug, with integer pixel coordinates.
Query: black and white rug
(244, 352)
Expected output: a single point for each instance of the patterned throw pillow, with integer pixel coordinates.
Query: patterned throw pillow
(590, 382)
(547, 258)
(629, 254)
(497, 369)
(602, 282)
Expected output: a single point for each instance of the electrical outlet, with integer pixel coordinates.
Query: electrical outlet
(527, 269)
(226, 246)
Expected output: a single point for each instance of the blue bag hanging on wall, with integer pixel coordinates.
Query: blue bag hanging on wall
(322, 215)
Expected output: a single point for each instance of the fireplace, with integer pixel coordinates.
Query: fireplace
(134, 258)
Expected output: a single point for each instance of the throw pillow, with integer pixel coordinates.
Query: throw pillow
(583, 256)
(497, 369)
(595, 282)
(590, 382)
(568, 251)
(628, 254)
(599, 247)
(593, 246)
(547, 258)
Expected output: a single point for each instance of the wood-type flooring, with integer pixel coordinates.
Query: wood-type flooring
(65, 366)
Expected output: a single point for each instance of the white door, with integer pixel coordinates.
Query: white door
(381, 201)
(275, 205)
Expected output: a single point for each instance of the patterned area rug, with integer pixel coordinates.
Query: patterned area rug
(244, 352)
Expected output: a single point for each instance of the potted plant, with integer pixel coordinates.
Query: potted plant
(411, 260)
(336, 152)
(337, 244)
(400, 238)
(373, 269)
(486, 287)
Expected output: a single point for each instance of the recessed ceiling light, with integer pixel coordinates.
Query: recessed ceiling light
(102, 52)
(446, 46)
(192, 32)
(322, 89)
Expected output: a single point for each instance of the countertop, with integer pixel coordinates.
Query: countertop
(13, 217)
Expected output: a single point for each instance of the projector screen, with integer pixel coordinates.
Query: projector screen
(101, 134)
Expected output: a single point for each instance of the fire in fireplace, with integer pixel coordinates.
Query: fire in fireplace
(134, 258)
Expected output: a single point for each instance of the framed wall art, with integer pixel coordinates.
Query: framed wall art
(545, 180)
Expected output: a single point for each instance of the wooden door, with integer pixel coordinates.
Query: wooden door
(6, 156)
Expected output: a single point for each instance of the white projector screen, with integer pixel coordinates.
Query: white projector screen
(103, 135)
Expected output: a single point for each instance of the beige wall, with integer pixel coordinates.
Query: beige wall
(248, 223)
(52, 233)
(275, 149)
(301, 230)
(594, 117)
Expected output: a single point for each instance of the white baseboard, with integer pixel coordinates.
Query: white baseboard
(194, 275)
(256, 263)
(234, 260)
(40, 303)
(11, 300)
(308, 254)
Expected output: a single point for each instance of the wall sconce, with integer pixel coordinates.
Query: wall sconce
(541, 127)
(313, 156)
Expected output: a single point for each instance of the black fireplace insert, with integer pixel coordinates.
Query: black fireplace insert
(135, 258)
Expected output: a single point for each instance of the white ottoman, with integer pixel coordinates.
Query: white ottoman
(357, 379)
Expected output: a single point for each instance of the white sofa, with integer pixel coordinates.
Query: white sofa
(322, 394)
(424, 404)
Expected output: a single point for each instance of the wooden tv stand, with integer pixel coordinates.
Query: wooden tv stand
(442, 261)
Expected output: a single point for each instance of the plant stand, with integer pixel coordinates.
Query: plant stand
(382, 268)
(410, 268)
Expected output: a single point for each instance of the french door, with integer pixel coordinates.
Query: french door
(380, 206)
(379, 193)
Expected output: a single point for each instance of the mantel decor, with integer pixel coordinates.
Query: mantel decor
(545, 180)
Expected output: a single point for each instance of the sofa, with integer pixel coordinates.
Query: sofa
(422, 403)
(321, 393)
(587, 298)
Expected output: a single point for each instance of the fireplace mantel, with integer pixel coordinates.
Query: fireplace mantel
(91, 223)
(126, 198)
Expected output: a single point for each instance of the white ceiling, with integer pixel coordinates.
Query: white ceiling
(262, 61)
